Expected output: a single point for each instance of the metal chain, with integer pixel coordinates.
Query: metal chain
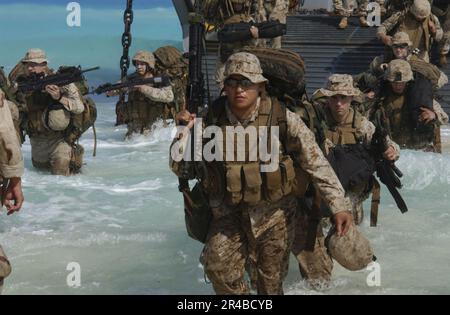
(126, 38)
(125, 59)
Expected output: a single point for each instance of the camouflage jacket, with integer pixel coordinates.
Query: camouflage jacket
(11, 162)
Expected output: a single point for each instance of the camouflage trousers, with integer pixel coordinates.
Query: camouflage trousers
(345, 8)
(56, 155)
(234, 244)
(138, 126)
(277, 12)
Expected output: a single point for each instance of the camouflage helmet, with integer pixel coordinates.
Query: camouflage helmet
(339, 84)
(35, 55)
(399, 71)
(5, 266)
(145, 56)
(421, 9)
(246, 65)
(401, 38)
(352, 251)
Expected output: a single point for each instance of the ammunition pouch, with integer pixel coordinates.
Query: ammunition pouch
(197, 212)
(271, 29)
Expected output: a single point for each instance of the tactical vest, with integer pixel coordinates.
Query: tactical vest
(141, 110)
(418, 32)
(400, 125)
(347, 133)
(244, 181)
(351, 158)
(244, 15)
(37, 106)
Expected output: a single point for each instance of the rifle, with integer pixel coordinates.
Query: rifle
(132, 81)
(197, 211)
(64, 76)
(387, 171)
(237, 32)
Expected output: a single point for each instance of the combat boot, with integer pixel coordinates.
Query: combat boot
(344, 23)
(363, 22)
(443, 61)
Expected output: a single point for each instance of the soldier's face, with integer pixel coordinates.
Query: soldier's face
(339, 106)
(242, 93)
(141, 67)
(36, 68)
(400, 51)
(398, 87)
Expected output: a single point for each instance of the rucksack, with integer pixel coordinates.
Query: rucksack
(284, 69)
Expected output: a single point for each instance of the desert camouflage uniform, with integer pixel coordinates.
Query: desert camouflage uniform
(227, 49)
(346, 11)
(443, 13)
(11, 161)
(314, 261)
(148, 104)
(259, 237)
(405, 21)
(274, 10)
(392, 112)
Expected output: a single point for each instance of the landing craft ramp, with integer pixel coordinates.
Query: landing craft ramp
(326, 50)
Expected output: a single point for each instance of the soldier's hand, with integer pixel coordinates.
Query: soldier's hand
(139, 88)
(427, 115)
(186, 118)
(432, 27)
(13, 196)
(343, 221)
(54, 91)
(255, 32)
(390, 154)
(387, 40)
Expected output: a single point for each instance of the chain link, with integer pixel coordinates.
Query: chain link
(127, 39)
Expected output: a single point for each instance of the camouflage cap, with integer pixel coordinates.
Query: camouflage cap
(5, 266)
(58, 120)
(352, 251)
(145, 56)
(35, 55)
(399, 71)
(339, 84)
(246, 65)
(401, 38)
(421, 9)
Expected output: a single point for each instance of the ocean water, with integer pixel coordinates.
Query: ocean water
(122, 219)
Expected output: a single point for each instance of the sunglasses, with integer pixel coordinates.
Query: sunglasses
(243, 83)
(403, 46)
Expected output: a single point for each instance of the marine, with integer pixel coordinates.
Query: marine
(345, 13)
(253, 216)
(49, 122)
(410, 127)
(11, 171)
(273, 10)
(419, 23)
(348, 146)
(441, 9)
(146, 103)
